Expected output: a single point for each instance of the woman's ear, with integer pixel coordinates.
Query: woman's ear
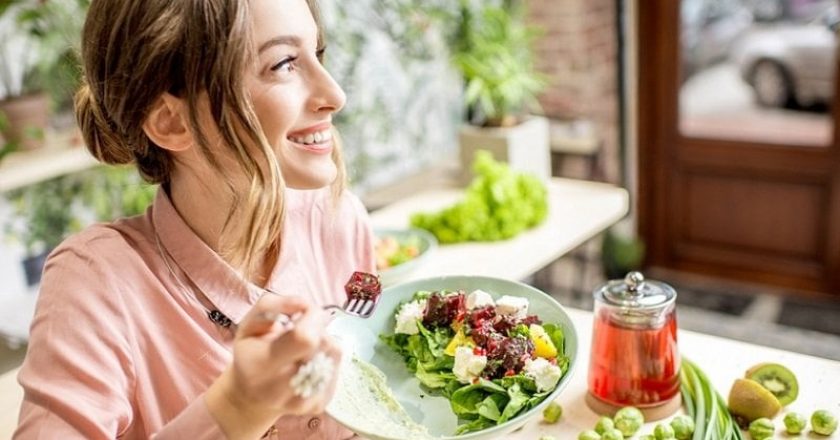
(166, 125)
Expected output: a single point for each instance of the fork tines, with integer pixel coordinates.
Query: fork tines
(360, 307)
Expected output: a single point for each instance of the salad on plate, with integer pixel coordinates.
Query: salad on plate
(392, 251)
(490, 358)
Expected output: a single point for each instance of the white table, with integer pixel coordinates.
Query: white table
(11, 396)
(721, 359)
(578, 210)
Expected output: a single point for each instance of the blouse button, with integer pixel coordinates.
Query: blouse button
(314, 423)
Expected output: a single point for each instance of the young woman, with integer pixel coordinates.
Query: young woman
(160, 325)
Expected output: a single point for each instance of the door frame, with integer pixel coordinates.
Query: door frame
(662, 150)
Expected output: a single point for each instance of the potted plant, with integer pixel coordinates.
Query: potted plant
(6, 147)
(493, 52)
(46, 212)
(621, 253)
(114, 192)
(38, 63)
(43, 215)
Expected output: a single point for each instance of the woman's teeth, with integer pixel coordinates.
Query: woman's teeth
(312, 138)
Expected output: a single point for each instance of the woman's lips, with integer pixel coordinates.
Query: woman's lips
(323, 147)
(316, 139)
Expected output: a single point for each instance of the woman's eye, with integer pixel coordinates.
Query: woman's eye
(285, 65)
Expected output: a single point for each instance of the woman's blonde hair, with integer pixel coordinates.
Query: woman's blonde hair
(134, 51)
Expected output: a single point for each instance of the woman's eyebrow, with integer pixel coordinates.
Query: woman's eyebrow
(289, 40)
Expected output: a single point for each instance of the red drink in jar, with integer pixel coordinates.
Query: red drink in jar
(634, 359)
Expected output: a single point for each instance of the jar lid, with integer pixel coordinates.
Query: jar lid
(635, 292)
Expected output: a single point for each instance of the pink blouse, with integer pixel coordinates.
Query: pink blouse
(121, 348)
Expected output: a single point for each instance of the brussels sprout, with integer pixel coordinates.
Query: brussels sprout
(589, 435)
(647, 437)
(761, 429)
(663, 431)
(612, 434)
(683, 427)
(604, 424)
(823, 422)
(795, 423)
(628, 420)
(552, 413)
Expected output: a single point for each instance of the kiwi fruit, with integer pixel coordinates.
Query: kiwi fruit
(777, 379)
(749, 401)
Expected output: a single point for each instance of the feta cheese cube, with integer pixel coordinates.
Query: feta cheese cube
(408, 316)
(545, 374)
(468, 365)
(479, 298)
(515, 306)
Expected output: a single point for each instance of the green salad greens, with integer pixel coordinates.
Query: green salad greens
(499, 204)
(492, 361)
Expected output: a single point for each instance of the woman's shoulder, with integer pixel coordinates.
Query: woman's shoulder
(105, 239)
(100, 249)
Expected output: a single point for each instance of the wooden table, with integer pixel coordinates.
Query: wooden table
(721, 359)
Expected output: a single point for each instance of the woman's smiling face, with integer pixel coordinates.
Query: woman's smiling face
(294, 97)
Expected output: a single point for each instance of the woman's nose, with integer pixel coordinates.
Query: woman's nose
(327, 95)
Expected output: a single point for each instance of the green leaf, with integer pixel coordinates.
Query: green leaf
(489, 407)
(464, 402)
(518, 401)
(522, 381)
(556, 334)
(475, 425)
(434, 379)
(499, 203)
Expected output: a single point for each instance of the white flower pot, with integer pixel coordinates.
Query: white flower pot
(525, 147)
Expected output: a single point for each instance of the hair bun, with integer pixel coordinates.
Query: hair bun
(99, 131)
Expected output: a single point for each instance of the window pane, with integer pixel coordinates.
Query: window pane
(758, 70)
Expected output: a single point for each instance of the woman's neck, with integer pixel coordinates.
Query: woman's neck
(206, 210)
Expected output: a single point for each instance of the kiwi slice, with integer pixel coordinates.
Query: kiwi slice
(777, 379)
(749, 401)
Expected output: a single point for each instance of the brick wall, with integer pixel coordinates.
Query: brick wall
(579, 52)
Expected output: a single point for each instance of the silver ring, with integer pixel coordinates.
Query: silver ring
(313, 377)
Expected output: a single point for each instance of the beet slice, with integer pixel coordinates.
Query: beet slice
(363, 286)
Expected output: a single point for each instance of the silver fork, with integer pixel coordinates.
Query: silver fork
(359, 303)
(363, 291)
(360, 307)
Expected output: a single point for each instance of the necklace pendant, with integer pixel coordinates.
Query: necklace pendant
(219, 318)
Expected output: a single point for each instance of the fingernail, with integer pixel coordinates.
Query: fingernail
(282, 320)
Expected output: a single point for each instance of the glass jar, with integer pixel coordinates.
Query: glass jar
(634, 359)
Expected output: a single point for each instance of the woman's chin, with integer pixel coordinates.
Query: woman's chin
(310, 179)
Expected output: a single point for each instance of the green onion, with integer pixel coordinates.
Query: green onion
(703, 404)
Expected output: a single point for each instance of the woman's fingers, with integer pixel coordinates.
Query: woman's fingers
(304, 337)
(265, 314)
(270, 356)
(317, 403)
(335, 353)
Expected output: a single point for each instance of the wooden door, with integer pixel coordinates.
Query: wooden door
(750, 191)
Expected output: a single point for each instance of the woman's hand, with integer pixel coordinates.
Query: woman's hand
(255, 390)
